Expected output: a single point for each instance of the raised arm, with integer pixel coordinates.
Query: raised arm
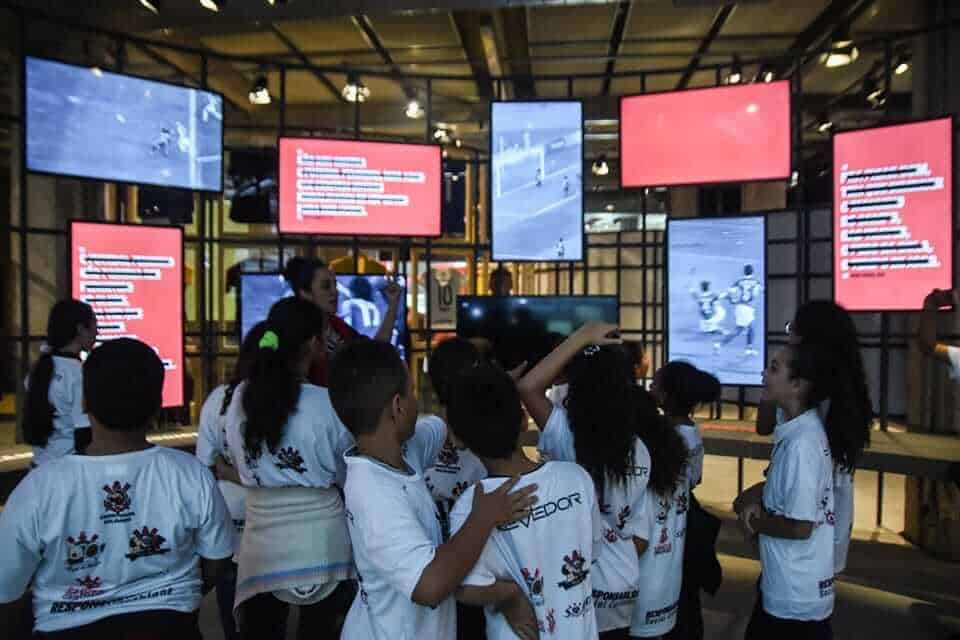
(392, 292)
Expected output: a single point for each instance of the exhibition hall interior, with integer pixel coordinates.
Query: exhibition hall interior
(698, 175)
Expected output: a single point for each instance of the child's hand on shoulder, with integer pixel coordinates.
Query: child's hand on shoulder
(501, 506)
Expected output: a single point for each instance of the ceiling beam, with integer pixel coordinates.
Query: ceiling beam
(620, 20)
(835, 14)
(468, 26)
(511, 27)
(719, 20)
(304, 60)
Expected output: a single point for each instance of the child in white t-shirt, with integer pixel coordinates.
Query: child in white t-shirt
(407, 573)
(611, 427)
(544, 560)
(118, 543)
(795, 519)
(53, 418)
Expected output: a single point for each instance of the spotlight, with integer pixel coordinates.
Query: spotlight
(442, 134)
(354, 90)
(259, 92)
(824, 124)
(610, 207)
(153, 6)
(600, 166)
(903, 65)
(875, 95)
(736, 71)
(213, 5)
(765, 74)
(458, 143)
(278, 3)
(842, 50)
(414, 110)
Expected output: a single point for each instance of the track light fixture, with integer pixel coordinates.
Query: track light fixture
(213, 5)
(154, 6)
(824, 123)
(874, 93)
(842, 50)
(600, 166)
(414, 109)
(259, 92)
(765, 74)
(736, 71)
(902, 65)
(354, 90)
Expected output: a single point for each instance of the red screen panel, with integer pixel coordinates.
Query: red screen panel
(348, 187)
(132, 276)
(892, 215)
(723, 134)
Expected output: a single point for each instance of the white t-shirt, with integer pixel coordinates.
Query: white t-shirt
(66, 396)
(212, 442)
(107, 535)
(310, 452)
(395, 530)
(444, 288)
(549, 554)
(694, 441)
(455, 470)
(954, 354)
(616, 575)
(797, 575)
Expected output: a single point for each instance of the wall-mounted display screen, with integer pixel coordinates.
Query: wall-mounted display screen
(892, 215)
(536, 184)
(716, 295)
(88, 123)
(734, 133)
(528, 327)
(132, 276)
(350, 187)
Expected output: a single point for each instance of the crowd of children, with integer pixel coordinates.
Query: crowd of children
(377, 522)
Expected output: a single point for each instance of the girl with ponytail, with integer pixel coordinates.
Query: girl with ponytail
(287, 445)
(53, 418)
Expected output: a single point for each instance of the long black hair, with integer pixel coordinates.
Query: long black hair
(299, 273)
(245, 359)
(683, 387)
(602, 407)
(273, 385)
(827, 324)
(38, 415)
(668, 452)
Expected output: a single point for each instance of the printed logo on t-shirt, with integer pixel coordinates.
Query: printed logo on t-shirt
(290, 458)
(459, 488)
(83, 553)
(88, 587)
(637, 471)
(574, 570)
(448, 460)
(146, 542)
(656, 616)
(549, 624)
(828, 515)
(604, 507)
(663, 507)
(534, 586)
(826, 588)
(682, 504)
(543, 511)
(579, 608)
(614, 599)
(610, 535)
(117, 503)
(622, 517)
(664, 545)
(363, 592)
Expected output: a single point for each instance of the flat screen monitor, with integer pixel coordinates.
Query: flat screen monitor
(132, 276)
(892, 215)
(88, 123)
(537, 180)
(360, 303)
(699, 136)
(716, 294)
(528, 327)
(350, 187)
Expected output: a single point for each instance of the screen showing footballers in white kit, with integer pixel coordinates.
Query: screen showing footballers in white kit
(549, 553)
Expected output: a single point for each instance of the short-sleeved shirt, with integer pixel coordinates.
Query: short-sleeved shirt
(310, 451)
(797, 575)
(395, 530)
(623, 506)
(212, 442)
(694, 441)
(549, 554)
(454, 471)
(66, 396)
(108, 535)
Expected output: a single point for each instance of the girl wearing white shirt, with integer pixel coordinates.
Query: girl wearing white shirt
(611, 427)
(795, 518)
(288, 444)
(54, 421)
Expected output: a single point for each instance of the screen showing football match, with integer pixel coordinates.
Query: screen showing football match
(132, 276)
(892, 215)
(716, 282)
(348, 187)
(700, 136)
(537, 180)
(88, 123)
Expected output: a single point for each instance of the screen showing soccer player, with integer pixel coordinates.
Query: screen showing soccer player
(537, 181)
(716, 279)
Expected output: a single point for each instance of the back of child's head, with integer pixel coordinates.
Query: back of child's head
(364, 378)
(274, 377)
(300, 271)
(682, 387)
(449, 358)
(601, 406)
(123, 384)
(484, 410)
(248, 352)
(668, 453)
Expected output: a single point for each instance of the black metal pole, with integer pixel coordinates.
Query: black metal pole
(24, 218)
(428, 254)
(282, 114)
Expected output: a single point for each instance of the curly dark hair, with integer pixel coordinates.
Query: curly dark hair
(668, 452)
(684, 387)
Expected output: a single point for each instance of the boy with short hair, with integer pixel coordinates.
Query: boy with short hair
(551, 550)
(114, 540)
(406, 572)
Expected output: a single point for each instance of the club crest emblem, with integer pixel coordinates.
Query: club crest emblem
(574, 570)
(146, 542)
(83, 552)
(290, 458)
(117, 499)
(534, 583)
